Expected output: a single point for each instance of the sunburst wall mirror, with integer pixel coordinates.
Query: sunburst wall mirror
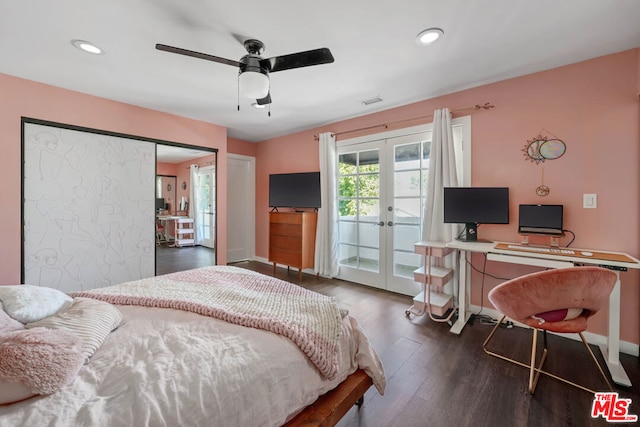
(541, 148)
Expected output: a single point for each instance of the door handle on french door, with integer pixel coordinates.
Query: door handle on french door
(390, 223)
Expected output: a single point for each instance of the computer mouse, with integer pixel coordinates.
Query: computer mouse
(585, 253)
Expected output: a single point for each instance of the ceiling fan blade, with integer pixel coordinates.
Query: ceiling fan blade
(298, 60)
(199, 55)
(264, 101)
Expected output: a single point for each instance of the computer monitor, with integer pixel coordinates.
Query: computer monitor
(476, 205)
(160, 204)
(540, 219)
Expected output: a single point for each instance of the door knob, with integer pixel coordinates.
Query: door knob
(381, 223)
(390, 223)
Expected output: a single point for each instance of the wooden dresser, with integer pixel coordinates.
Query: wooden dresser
(292, 239)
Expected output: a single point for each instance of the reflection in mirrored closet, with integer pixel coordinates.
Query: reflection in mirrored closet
(182, 174)
(166, 193)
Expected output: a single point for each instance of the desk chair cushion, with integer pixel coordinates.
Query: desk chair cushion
(558, 315)
(526, 298)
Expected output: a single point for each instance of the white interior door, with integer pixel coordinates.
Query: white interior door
(240, 208)
(206, 206)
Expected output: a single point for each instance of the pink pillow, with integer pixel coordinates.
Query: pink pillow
(37, 361)
(558, 315)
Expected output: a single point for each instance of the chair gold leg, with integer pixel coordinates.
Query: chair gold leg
(534, 372)
(493, 331)
(533, 380)
(593, 357)
(532, 369)
(498, 355)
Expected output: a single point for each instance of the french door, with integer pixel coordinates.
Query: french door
(205, 212)
(382, 186)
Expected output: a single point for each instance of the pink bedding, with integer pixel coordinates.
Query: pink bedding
(168, 367)
(243, 297)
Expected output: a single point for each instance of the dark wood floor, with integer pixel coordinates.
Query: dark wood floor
(435, 378)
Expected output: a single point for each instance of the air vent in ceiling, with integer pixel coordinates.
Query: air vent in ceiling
(372, 100)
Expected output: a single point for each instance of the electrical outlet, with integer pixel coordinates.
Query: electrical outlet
(589, 201)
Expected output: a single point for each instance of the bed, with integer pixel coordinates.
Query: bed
(215, 346)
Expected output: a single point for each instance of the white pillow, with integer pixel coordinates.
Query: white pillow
(27, 303)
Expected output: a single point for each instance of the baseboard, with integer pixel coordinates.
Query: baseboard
(594, 339)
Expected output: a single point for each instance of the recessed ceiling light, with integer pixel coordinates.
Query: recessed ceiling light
(87, 47)
(429, 36)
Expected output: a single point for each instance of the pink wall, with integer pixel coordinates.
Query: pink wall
(592, 106)
(26, 98)
(166, 169)
(243, 148)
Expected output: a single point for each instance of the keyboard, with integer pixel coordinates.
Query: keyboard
(557, 251)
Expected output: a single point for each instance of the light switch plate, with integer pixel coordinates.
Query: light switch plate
(589, 201)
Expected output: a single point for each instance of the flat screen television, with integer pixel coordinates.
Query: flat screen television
(294, 190)
(540, 219)
(473, 206)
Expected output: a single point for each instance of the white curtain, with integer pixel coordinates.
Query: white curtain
(193, 201)
(326, 253)
(442, 173)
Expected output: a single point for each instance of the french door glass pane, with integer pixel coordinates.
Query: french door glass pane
(407, 183)
(369, 259)
(407, 156)
(348, 232)
(368, 235)
(407, 211)
(369, 210)
(348, 255)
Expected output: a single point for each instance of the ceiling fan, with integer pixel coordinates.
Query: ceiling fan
(254, 70)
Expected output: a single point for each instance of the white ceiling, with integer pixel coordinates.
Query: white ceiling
(372, 42)
(175, 154)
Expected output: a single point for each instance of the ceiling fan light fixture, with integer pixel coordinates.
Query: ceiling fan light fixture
(429, 36)
(88, 47)
(254, 85)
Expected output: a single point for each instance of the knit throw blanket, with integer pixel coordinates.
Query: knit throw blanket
(311, 320)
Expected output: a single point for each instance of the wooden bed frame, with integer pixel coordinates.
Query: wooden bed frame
(333, 405)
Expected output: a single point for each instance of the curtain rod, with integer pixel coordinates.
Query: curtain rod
(486, 106)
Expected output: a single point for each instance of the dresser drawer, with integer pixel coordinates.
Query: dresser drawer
(280, 229)
(290, 243)
(286, 218)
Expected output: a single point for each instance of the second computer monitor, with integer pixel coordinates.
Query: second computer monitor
(540, 219)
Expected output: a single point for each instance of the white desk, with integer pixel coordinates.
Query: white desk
(610, 351)
(165, 219)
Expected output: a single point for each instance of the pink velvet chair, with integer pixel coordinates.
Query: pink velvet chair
(560, 301)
